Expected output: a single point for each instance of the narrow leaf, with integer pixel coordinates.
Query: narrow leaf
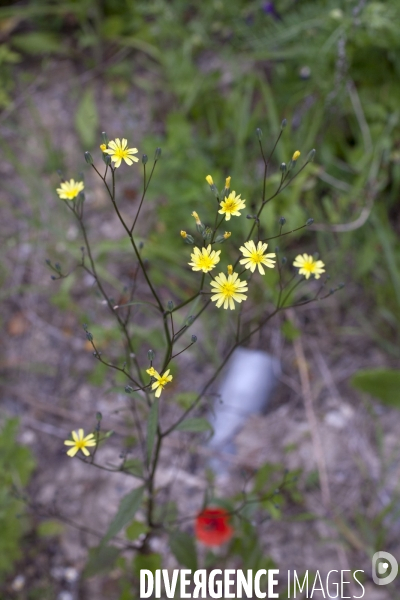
(183, 548)
(384, 384)
(195, 425)
(128, 507)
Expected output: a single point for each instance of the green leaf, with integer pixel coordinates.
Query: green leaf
(37, 43)
(135, 530)
(183, 548)
(86, 119)
(134, 466)
(152, 423)
(152, 562)
(289, 330)
(195, 425)
(185, 399)
(384, 384)
(101, 559)
(128, 507)
(50, 528)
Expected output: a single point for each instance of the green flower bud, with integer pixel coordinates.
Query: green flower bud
(106, 159)
(99, 416)
(259, 133)
(150, 355)
(157, 153)
(283, 168)
(128, 389)
(189, 239)
(194, 339)
(207, 233)
(88, 158)
(310, 155)
(170, 305)
(145, 158)
(104, 138)
(282, 221)
(309, 221)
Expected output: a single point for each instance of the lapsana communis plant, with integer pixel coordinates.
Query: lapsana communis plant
(147, 373)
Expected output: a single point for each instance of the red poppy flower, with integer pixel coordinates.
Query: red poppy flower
(212, 526)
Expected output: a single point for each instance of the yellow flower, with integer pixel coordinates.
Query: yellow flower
(308, 266)
(209, 180)
(230, 269)
(227, 234)
(161, 380)
(204, 259)
(228, 183)
(184, 234)
(228, 289)
(69, 190)
(296, 155)
(231, 206)
(118, 150)
(79, 442)
(196, 216)
(103, 147)
(254, 256)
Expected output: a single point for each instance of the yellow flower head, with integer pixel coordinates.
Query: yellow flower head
(227, 234)
(232, 205)
(204, 259)
(308, 266)
(184, 234)
(228, 290)
(209, 180)
(296, 155)
(69, 190)
(80, 442)
(228, 183)
(119, 150)
(196, 216)
(230, 269)
(254, 257)
(161, 380)
(103, 147)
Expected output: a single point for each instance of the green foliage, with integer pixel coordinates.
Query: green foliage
(383, 384)
(16, 466)
(183, 548)
(195, 425)
(128, 508)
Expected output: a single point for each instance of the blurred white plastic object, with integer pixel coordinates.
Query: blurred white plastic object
(248, 381)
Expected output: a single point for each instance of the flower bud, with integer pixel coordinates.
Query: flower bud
(284, 260)
(183, 234)
(220, 239)
(145, 158)
(276, 249)
(282, 220)
(88, 158)
(194, 339)
(103, 147)
(310, 155)
(189, 239)
(189, 320)
(128, 389)
(107, 159)
(104, 137)
(228, 183)
(283, 124)
(259, 133)
(230, 269)
(99, 416)
(309, 221)
(283, 168)
(170, 305)
(157, 153)
(150, 355)
(207, 233)
(209, 180)
(295, 155)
